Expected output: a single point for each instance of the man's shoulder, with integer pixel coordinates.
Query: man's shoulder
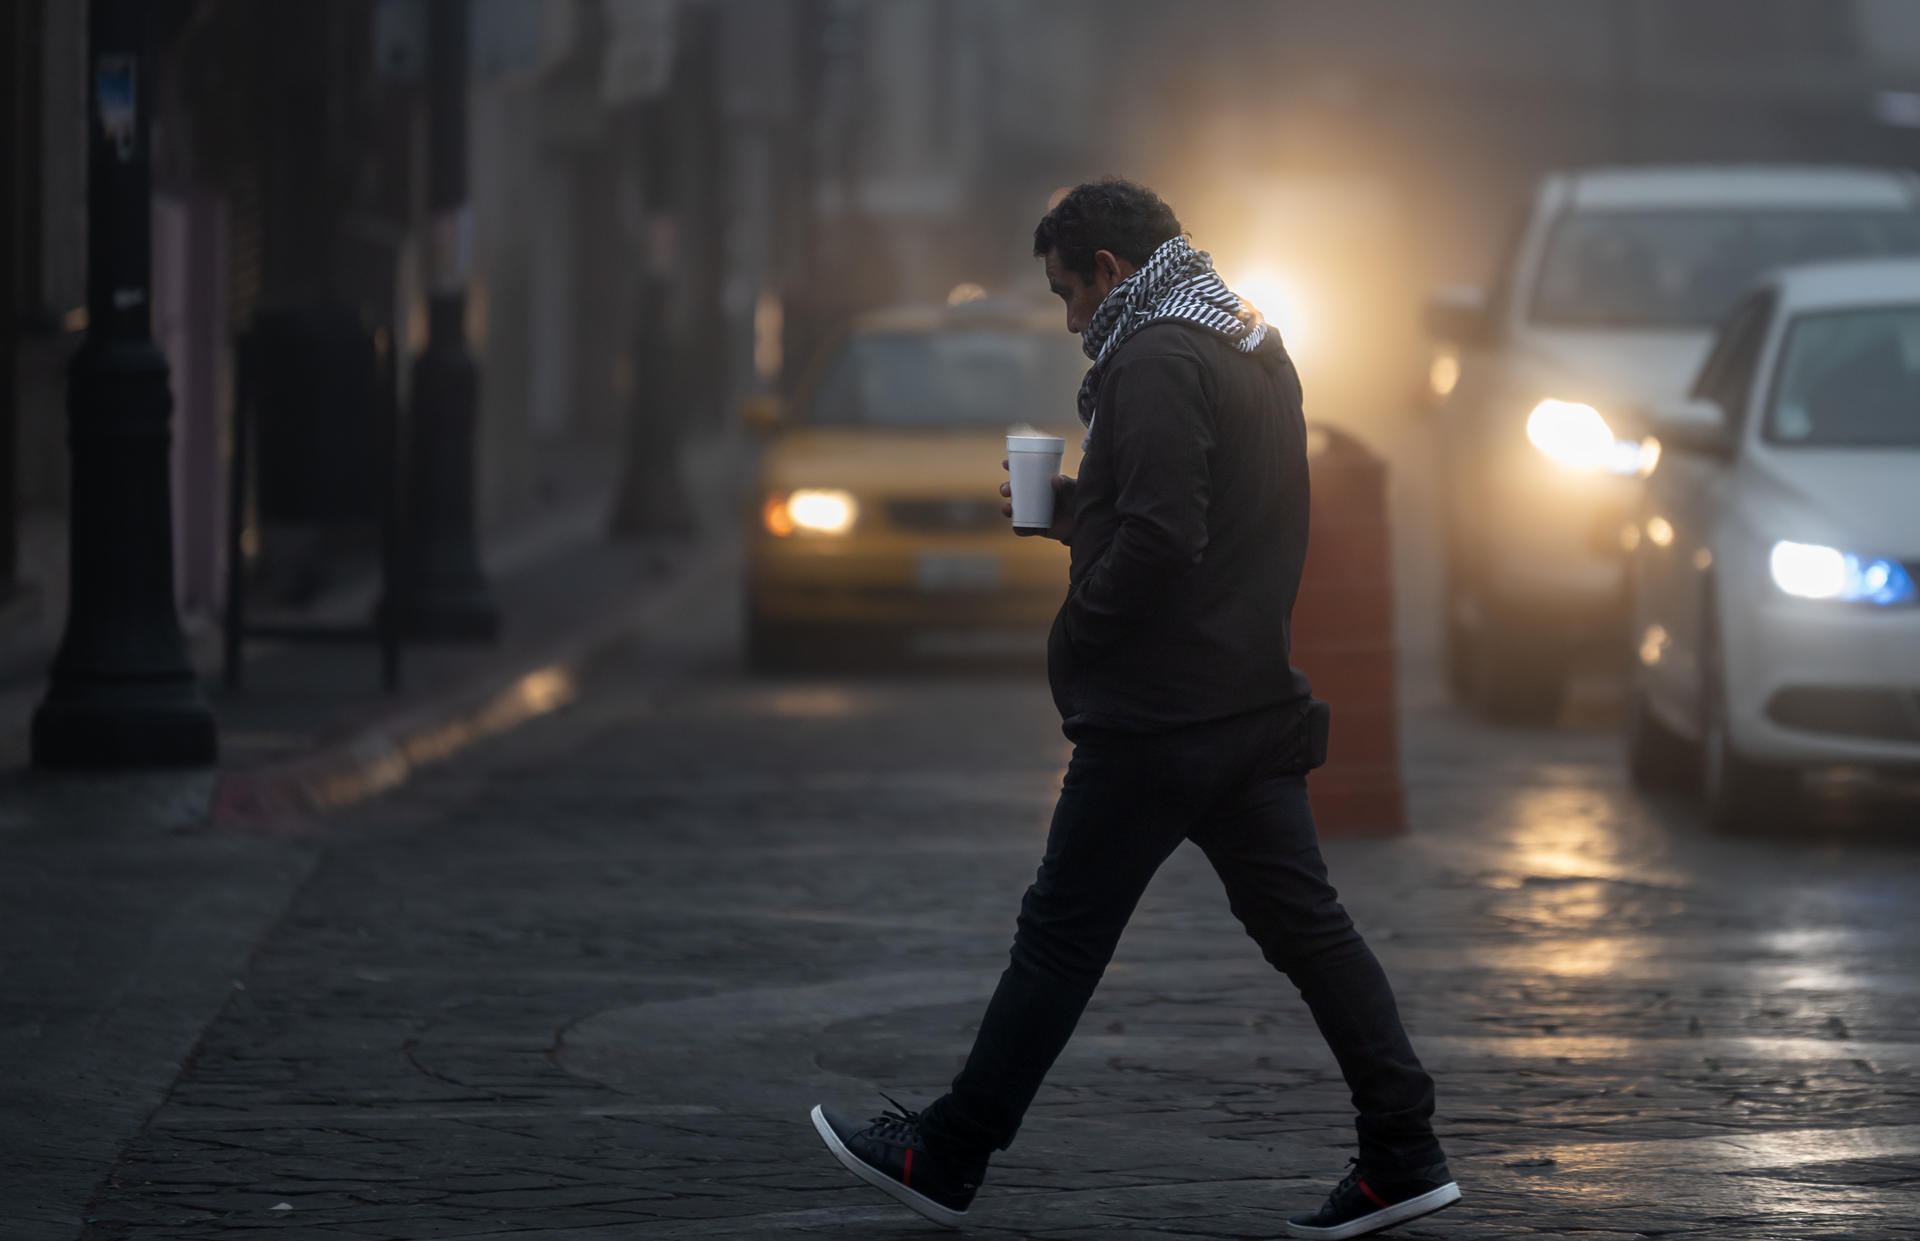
(1168, 338)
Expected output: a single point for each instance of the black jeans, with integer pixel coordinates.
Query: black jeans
(1237, 788)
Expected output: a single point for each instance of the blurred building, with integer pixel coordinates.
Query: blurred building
(1462, 104)
(290, 172)
(1349, 154)
(677, 202)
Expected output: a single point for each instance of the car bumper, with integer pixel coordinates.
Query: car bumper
(1552, 552)
(1815, 684)
(995, 579)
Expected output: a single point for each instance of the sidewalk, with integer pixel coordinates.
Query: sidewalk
(555, 576)
(311, 729)
(131, 904)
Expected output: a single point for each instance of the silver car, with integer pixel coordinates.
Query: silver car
(1776, 616)
(1605, 304)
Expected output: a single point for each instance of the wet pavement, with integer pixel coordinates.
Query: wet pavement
(585, 982)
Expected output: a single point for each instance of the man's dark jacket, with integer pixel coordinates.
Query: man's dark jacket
(1189, 533)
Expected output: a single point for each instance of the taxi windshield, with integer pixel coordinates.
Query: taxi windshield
(1849, 378)
(1640, 268)
(951, 380)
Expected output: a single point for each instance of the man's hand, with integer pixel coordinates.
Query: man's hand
(1062, 527)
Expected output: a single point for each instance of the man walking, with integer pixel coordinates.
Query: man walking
(1169, 665)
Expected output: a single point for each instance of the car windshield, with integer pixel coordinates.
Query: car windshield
(949, 380)
(1633, 268)
(1849, 378)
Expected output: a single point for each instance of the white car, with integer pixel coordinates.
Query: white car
(1776, 581)
(1605, 303)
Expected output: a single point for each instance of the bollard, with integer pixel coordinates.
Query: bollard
(1343, 638)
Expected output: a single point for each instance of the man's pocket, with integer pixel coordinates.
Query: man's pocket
(1062, 667)
(1301, 740)
(1314, 729)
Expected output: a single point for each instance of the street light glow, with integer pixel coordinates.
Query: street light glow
(1278, 300)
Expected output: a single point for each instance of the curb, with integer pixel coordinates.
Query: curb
(281, 797)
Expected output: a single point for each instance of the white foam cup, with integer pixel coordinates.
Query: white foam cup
(1033, 460)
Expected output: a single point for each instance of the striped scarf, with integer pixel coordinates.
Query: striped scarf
(1177, 283)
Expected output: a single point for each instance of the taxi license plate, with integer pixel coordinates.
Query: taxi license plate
(956, 574)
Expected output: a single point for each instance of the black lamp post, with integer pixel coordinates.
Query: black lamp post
(122, 692)
(442, 593)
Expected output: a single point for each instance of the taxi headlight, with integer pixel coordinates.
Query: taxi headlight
(818, 510)
(1811, 571)
(1577, 437)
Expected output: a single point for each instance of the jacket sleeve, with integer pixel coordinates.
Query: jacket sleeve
(1154, 415)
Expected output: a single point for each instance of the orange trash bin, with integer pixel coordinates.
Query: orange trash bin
(1343, 638)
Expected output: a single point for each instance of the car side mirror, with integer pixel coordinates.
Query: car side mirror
(1695, 426)
(763, 414)
(1459, 315)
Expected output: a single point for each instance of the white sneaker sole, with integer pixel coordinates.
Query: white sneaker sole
(1385, 1217)
(946, 1217)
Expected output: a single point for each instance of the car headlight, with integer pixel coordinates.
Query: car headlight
(1811, 571)
(818, 510)
(1577, 437)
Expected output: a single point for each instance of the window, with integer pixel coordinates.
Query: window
(1727, 377)
(1647, 268)
(947, 380)
(1849, 378)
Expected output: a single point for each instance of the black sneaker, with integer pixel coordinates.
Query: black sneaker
(889, 1153)
(1364, 1202)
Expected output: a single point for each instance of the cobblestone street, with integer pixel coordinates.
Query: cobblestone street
(586, 981)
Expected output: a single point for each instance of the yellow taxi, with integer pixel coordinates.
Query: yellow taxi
(876, 513)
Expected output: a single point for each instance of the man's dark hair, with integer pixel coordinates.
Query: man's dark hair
(1109, 214)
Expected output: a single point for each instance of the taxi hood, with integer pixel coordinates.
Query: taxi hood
(866, 460)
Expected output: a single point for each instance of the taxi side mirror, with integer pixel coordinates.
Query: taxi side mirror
(1459, 316)
(763, 414)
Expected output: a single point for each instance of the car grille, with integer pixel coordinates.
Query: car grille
(1879, 714)
(949, 516)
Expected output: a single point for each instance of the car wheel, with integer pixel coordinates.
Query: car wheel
(1739, 794)
(1658, 759)
(1516, 678)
